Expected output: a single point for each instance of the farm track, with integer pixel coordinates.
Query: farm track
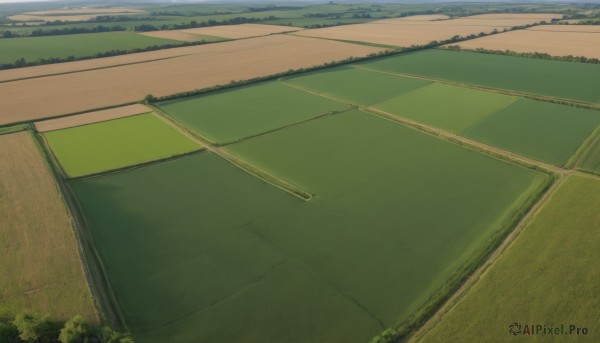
(486, 264)
(554, 100)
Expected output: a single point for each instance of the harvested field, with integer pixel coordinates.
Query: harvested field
(39, 258)
(116, 144)
(91, 117)
(182, 36)
(404, 32)
(239, 31)
(87, 10)
(209, 65)
(548, 276)
(555, 40)
(71, 67)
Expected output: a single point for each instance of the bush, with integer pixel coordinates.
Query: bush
(9, 333)
(32, 328)
(75, 330)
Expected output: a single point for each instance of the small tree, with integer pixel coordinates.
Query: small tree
(75, 330)
(107, 335)
(149, 99)
(29, 326)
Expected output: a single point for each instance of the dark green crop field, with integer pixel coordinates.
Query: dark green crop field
(34, 48)
(236, 114)
(117, 143)
(540, 130)
(356, 85)
(220, 249)
(549, 276)
(570, 80)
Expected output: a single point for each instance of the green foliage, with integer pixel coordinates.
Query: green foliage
(9, 333)
(76, 330)
(31, 327)
(388, 335)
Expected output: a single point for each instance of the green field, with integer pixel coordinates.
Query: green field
(590, 160)
(544, 131)
(79, 45)
(549, 276)
(579, 81)
(232, 115)
(357, 86)
(220, 249)
(117, 143)
(448, 107)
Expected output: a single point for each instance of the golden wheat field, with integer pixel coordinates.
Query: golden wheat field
(404, 32)
(39, 258)
(582, 40)
(209, 65)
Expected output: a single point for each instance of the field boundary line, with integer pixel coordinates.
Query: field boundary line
(299, 122)
(236, 161)
(318, 93)
(450, 136)
(554, 100)
(584, 148)
(85, 69)
(106, 305)
(514, 99)
(64, 115)
(486, 264)
(135, 166)
(470, 144)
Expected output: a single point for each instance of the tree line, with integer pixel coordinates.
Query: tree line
(31, 328)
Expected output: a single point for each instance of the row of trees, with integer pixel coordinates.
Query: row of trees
(30, 328)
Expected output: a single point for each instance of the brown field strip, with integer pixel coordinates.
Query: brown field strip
(240, 31)
(545, 39)
(91, 117)
(211, 65)
(70, 67)
(174, 34)
(567, 28)
(404, 32)
(39, 258)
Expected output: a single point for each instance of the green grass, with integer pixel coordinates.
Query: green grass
(549, 276)
(196, 249)
(540, 130)
(236, 114)
(448, 107)
(356, 85)
(578, 81)
(78, 45)
(590, 160)
(117, 143)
